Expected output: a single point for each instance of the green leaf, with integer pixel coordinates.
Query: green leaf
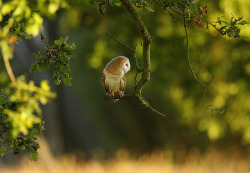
(3, 150)
(6, 49)
(230, 34)
(66, 79)
(34, 24)
(1, 17)
(149, 9)
(33, 68)
(34, 156)
(243, 22)
(2, 100)
(22, 147)
(59, 41)
(6, 8)
(56, 77)
(53, 7)
(116, 2)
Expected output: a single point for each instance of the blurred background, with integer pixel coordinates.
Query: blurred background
(81, 126)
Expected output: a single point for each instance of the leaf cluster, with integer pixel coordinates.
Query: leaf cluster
(18, 30)
(57, 57)
(193, 10)
(23, 18)
(230, 28)
(20, 116)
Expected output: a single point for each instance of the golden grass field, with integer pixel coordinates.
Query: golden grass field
(157, 162)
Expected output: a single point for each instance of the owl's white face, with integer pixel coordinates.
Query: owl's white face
(126, 66)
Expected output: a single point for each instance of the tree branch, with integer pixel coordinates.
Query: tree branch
(138, 70)
(192, 70)
(44, 39)
(144, 103)
(146, 45)
(135, 58)
(107, 98)
(146, 57)
(118, 41)
(9, 70)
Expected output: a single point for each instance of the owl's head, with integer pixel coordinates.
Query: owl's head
(126, 65)
(118, 65)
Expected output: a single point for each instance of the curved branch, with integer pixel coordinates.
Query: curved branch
(192, 70)
(9, 70)
(118, 41)
(144, 103)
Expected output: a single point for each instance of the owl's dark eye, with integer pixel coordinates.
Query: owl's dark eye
(127, 65)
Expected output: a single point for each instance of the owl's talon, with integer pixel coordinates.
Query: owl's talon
(121, 94)
(112, 95)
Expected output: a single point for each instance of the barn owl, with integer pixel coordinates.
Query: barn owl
(113, 78)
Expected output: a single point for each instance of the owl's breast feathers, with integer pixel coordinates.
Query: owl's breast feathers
(113, 83)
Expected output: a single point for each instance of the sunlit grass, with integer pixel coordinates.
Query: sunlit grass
(190, 161)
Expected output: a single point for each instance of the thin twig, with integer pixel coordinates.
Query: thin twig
(139, 98)
(135, 58)
(210, 23)
(118, 41)
(138, 70)
(9, 70)
(154, 110)
(165, 7)
(192, 70)
(188, 54)
(44, 39)
(176, 11)
(195, 16)
(145, 103)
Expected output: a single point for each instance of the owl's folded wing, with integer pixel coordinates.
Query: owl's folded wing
(104, 82)
(123, 83)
